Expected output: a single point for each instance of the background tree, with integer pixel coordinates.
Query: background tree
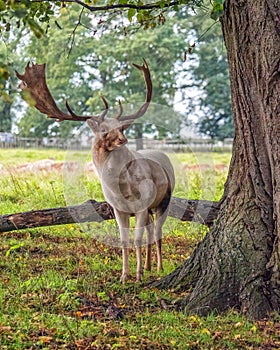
(208, 67)
(213, 76)
(68, 74)
(8, 98)
(103, 65)
(164, 44)
(162, 48)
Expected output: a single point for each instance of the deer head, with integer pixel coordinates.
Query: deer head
(34, 81)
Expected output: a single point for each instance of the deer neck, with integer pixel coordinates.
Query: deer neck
(109, 159)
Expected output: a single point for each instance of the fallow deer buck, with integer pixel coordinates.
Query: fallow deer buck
(139, 183)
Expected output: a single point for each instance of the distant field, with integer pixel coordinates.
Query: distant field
(59, 286)
(14, 156)
(35, 178)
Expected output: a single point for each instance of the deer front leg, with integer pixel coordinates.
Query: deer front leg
(141, 222)
(150, 237)
(123, 223)
(125, 266)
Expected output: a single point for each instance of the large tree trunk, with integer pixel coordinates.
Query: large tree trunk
(238, 262)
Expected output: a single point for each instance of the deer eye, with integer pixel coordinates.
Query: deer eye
(104, 132)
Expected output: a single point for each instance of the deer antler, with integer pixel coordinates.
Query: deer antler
(99, 119)
(34, 81)
(149, 89)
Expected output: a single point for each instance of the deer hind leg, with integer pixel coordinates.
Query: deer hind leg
(141, 222)
(123, 223)
(150, 238)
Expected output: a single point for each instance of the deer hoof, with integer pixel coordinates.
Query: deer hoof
(124, 277)
(148, 267)
(159, 268)
(139, 276)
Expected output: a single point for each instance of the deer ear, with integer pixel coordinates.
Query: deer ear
(93, 124)
(126, 124)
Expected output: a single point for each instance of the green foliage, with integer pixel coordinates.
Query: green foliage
(211, 76)
(102, 65)
(67, 77)
(217, 9)
(33, 124)
(161, 47)
(14, 247)
(25, 13)
(8, 82)
(76, 58)
(38, 15)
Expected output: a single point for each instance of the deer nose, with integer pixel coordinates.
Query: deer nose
(122, 140)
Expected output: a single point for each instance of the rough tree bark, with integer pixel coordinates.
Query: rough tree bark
(238, 262)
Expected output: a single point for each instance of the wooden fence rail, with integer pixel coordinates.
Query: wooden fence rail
(196, 144)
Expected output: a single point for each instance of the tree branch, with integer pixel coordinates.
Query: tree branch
(155, 5)
(204, 212)
(73, 35)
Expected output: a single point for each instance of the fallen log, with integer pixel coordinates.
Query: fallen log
(204, 212)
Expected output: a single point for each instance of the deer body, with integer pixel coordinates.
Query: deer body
(139, 183)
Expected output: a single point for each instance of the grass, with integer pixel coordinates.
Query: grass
(16, 156)
(59, 286)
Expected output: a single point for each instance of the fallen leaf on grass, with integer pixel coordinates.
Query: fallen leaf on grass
(45, 339)
(114, 312)
(205, 331)
(163, 303)
(5, 329)
(90, 312)
(217, 335)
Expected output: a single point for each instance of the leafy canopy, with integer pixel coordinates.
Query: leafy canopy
(102, 65)
(107, 58)
(37, 16)
(33, 14)
(209, 69)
